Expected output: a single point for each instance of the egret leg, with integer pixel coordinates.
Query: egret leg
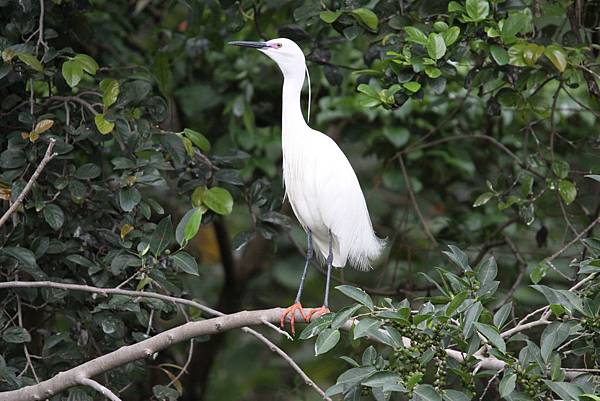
(297, 306)
(325, 308)
(329, 265)
(309, 255)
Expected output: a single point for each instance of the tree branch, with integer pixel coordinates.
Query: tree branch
(99, 388)
(185, 332)
(136, 294)
(47, 157)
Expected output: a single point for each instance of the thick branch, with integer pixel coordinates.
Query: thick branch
(137, 294)
(143, 349)
(47, 157)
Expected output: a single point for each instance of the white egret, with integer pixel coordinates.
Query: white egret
(319, 182)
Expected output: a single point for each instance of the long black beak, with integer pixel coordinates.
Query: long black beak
(245, 43)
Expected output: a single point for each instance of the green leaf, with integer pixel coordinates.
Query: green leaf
(367, 90)
(326, 340)
(426, 392)
(316, 326)
(367, 17)
(23, 255)
(72, 72)
(499, 54)
(16, 335)
(88, 64)
(471, 316)
(31, 61)
(502, 314)
(567, 299)
(162, 236)
(507, 384)
(415, 35)
(355, 375)
(110, 91)
(457, 301)
(538, 272)
(366, 326)
(565, 391)
(197, 139)
(188, 226)
(477, 10)
(557, 57)
(88, 171)
(483, 199)
(455, 7)
(560, 168)
(433, 72)
(218, 200)
(54, 216)
(356, 294)
(330, 16)
(458, 257)
(553, 335)
(455, 395)
(412, 86)
(514, 24)
(344, 315)
(129, 198)
(451, 35)
(104, 126)
(185, 262)
(567, 191)
(491, 333)
(487, 270)
(436, 47)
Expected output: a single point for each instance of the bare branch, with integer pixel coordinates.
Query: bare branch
(99, 388)
(181, 301)
(47, 157)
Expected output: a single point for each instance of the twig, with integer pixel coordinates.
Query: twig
(574, 240)
(522, 264)
(40, 29)
(475, 136)
(76, 99)
(47, 157)
(25, 349)
(99, 388)
(487, 387)
(414, 201)
(288, 359)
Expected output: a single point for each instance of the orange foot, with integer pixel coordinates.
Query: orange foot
(323, 310)
(292, 312)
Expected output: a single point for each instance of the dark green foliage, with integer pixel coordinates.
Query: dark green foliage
(163, 133)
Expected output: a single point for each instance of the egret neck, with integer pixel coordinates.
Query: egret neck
(291, 112)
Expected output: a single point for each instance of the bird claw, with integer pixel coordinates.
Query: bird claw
(323, 310)
(292, 311)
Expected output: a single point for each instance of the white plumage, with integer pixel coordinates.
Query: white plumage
(319, 181)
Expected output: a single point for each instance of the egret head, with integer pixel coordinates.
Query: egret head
(285, 52)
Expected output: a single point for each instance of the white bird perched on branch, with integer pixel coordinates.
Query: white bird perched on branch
(319, 181)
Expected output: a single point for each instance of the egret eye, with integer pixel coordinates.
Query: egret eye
(278, 45)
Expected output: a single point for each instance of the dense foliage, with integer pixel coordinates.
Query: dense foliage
(471, 124)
